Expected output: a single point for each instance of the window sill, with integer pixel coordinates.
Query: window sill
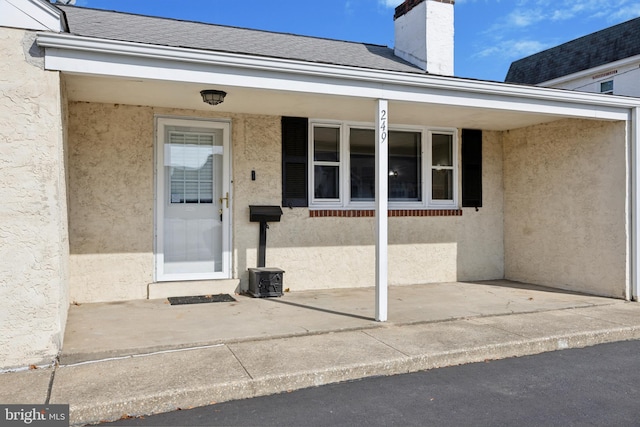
(370, 213)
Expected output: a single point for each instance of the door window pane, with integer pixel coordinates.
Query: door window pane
(190, 161)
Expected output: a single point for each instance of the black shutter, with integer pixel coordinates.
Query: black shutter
(295, 133)
(471, 168)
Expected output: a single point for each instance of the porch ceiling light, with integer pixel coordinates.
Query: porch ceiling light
(213, 97)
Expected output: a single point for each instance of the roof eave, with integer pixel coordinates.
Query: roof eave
(383, 79)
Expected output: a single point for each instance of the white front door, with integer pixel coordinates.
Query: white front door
(192, 200)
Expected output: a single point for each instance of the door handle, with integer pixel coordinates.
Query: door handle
(225, 198)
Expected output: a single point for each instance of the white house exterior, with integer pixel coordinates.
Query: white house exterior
(607, 61)
(119, 183)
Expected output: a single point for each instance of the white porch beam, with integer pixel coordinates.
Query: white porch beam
(634, 140)
(75, 54)
(382, 205)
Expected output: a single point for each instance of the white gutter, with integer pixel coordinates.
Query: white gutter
(76, 47)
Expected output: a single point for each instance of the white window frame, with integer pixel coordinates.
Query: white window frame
(339, 164)
(344, 165)
(430, 167)
(610, 91)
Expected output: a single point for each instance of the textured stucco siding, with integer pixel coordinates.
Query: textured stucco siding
(111, 197)
(33, 213)
(112, 214)
(565, 195)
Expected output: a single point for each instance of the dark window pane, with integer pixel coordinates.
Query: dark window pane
(442, 150)
(404, 166)
(363, 167)
(326, 142)
(442, 184)
(326, 180)
(606, 87)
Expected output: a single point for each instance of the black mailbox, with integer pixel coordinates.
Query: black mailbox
(264, 213)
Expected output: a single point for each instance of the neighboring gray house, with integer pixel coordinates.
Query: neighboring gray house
(118, 182)
(607, 61)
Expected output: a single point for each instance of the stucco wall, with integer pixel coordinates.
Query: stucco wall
(565, 189)
(33, 212)
(110, 201)
(111, 214)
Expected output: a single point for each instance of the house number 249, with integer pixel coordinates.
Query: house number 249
(383, 126)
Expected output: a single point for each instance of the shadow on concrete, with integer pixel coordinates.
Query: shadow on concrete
(323, 310)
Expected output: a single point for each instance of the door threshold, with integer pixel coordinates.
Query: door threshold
(159, 290)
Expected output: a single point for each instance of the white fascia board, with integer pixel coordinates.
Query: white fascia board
(37, 15)
(588, 72)
(83, 55)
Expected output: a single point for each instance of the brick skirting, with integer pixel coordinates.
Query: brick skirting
(364, 213)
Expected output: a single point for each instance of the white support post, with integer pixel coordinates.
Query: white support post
(382, 204)
(634, 140)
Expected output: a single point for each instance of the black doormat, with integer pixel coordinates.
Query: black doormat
(201, 299)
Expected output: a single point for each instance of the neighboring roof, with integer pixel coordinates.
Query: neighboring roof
(30, 14)
(611, 44)
(195, 35)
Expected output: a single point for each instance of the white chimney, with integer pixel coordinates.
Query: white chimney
(424, 34)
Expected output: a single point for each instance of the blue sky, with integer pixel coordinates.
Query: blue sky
(490, 34)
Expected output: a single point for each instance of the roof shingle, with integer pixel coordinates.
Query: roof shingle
(602, 47)
(195, 35)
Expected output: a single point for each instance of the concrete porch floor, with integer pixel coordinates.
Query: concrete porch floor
(105, 330)
(146, 357)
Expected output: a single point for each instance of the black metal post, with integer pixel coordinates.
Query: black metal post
(262, 247)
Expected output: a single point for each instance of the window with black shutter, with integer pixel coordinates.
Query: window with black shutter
(295, 134)
(471, 168)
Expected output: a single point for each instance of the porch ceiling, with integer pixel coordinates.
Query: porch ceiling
(181, 95)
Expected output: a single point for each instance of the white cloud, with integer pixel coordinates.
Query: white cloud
(390, 3)
(524, 18)
(626, 12)
(512, 49)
